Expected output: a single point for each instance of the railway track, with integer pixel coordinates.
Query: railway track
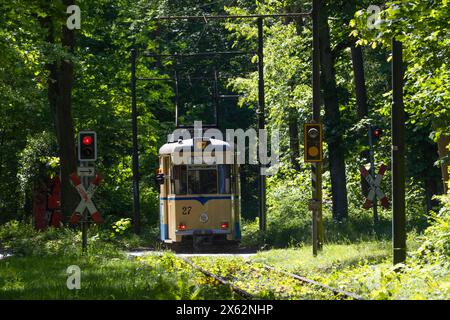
(244, 294)
(338, 293)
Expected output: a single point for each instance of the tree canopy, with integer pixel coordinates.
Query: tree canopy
(37, 56)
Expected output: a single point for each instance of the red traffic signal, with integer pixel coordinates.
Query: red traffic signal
(87, 146)
(87, 140)
(376, 134)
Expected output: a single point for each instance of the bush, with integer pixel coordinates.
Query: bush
(289, 219)
(22, 239)
(424, 276)
(436, 243)
(250, 233)
(13, 232)
(38, 161)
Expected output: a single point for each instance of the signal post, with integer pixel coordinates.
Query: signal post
(313, 139)
(374, 135)
(87, 154)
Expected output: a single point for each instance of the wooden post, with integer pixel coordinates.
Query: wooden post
(261, 125)
(136, 209)
(316, 168)
(398, 156)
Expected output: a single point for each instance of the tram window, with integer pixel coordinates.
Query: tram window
(202, 180)
(224, 178)
(179, 180)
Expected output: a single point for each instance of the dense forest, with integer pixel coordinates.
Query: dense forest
(56, 81)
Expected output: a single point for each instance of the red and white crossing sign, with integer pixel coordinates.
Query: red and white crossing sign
(375, 188)
(86, 199)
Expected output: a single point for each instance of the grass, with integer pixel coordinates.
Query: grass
(106, 273)
(366, 269)
(267, 284)
(363, 268)
(260, 282)
(117, 277)
(333, 257)
(38, 270)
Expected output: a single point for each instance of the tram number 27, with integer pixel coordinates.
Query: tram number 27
(187, 210)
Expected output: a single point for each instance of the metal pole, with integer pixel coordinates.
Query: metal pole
(398, 156)
(261, 125)
(372, 173)
(316, 168)
(316, 62)
(216, 99)
(84, 241)
(136, 213)
(177, 99)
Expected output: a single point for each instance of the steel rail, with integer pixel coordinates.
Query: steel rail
(241, 292)
(250, 296)
(315, 283)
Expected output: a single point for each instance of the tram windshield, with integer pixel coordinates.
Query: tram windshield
(201, 179)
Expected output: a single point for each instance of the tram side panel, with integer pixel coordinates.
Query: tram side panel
(164, 192)
(236, 203)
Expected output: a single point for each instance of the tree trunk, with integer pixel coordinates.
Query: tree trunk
(332, 120)
(52, 82)
(68, 160)
(360, 83)
(60, 83)
(361, 102)
(431, 189)
(443, 143)
(294, 141)
(431, 175)
(2, 143)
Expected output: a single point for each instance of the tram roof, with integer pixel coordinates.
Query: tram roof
(188, 144)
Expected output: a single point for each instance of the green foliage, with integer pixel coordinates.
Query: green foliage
(121, 226)
(106, 273)
(13, 233)
(100, 97)
(384, 282)
(288, 216)
(426, 274)
(22, 112)
(101, 102)
(436, 245)
(38, 161)
(423, 28)
(102, 277)
(23, 240)
(256, 279)
(287, 71)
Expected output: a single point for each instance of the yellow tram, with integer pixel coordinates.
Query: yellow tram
(199, 200)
